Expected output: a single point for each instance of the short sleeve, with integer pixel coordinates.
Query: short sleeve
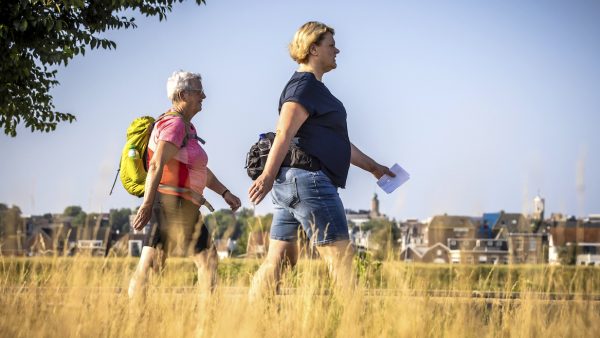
(171, 129)
(302, 92)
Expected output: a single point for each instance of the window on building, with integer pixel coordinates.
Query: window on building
(135, 248)
(482, 259)
(532, 244)
(519, 244)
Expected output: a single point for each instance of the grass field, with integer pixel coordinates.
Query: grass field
(83, 296)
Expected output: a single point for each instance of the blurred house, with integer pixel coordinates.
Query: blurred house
(12, 231)
(131, 243)
(56, 238)
(225, 248)
(526, 242)
(96, 237)
(494, 238)
(443, 227)
(49, 235)
(359, 237)
(39, 243)
(438, 253)
(258, 244)
(588, 254)
(573, 240)
(413, 232)
(481, 251)
(529, 248)
(506, 223)
(572, 230)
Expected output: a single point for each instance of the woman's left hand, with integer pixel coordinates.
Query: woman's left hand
(232, 200)
(380, 170)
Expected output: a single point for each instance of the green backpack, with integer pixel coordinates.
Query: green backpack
(132, 167)
(134, 156)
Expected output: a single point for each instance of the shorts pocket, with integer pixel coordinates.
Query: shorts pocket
(285, 194)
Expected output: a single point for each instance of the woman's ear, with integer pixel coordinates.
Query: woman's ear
(313, 49)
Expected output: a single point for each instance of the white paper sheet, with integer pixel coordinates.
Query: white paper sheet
(388, 183)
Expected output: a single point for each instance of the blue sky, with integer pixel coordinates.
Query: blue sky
(484, 103)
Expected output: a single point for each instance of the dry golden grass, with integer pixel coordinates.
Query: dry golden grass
(83, 296)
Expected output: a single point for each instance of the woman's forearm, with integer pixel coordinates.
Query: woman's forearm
(361, 160)
(213, 183)
(155, 171)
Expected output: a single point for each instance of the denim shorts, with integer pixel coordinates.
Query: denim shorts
(309, 199)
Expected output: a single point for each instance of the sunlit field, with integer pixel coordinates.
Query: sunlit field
(84, 296)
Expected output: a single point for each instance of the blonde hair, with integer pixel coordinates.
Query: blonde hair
(309, 33)
(180, 81)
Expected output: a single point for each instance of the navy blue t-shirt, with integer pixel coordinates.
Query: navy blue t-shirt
(324, 134)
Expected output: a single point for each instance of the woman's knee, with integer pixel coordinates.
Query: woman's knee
(337, 251)
(207, 258)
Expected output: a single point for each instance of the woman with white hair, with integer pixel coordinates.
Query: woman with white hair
(307, 196)
(177, 176)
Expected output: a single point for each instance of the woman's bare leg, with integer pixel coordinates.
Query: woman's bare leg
(206, 261)
(268, 276)
(137, 284)
(339, 258)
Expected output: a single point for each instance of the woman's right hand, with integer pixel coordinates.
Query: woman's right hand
(292, 116)
(143, 217)
(260, 188)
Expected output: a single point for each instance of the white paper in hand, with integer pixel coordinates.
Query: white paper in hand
(388, 183)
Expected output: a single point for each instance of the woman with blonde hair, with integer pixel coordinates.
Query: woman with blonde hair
(315, 120)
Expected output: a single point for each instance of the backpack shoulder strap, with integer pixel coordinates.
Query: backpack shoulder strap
(187, 128)
(186, 123)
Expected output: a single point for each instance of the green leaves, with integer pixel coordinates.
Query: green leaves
(37, 34)
(21, 25)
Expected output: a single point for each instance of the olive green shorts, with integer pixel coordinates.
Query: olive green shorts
(177, 227)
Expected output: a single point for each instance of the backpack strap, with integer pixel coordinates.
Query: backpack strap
(199, 197)
(116, 177)
(187, 128)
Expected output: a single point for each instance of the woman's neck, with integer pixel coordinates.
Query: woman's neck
(308, 68)
(182, 109)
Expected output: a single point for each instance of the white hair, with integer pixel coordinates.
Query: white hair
(180, 81)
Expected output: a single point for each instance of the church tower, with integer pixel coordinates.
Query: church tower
(538, 208)
(375, 207)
